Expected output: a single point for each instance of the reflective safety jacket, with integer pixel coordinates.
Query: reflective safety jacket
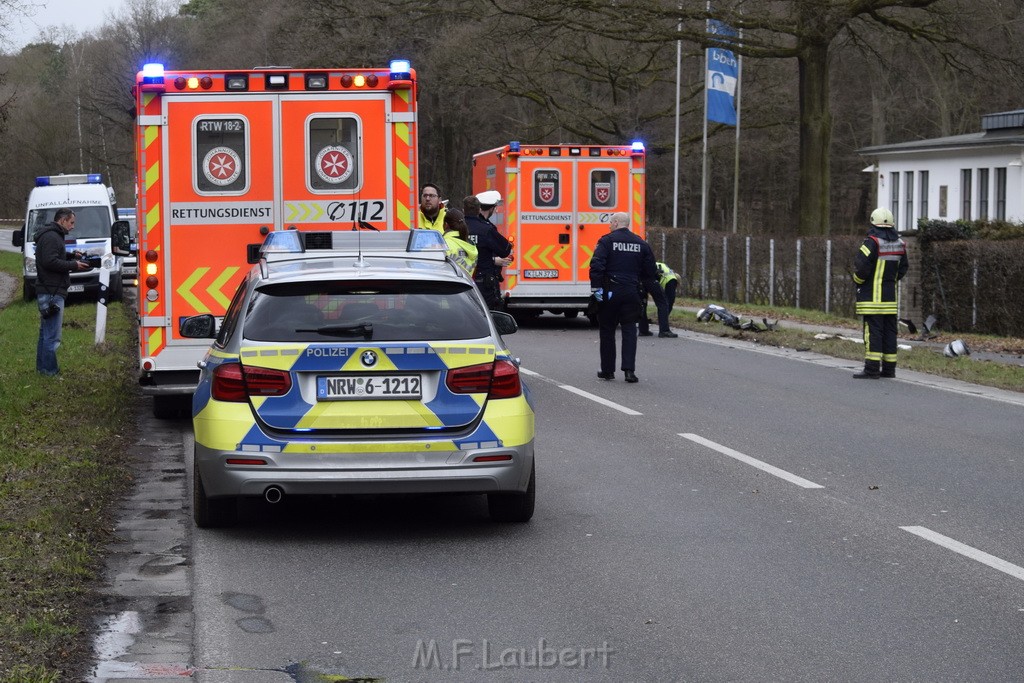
(665, 274)
(459, 250)
(437, 223)
(881, 263)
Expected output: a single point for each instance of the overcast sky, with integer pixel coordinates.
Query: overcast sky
(83, 15)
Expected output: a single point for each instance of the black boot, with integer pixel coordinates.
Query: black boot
(888, 369)
(870, 370)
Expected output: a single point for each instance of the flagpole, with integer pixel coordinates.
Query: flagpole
(675, 175)
(704, 162)
(736, 164)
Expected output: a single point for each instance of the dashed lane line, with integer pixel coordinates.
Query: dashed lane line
(967, 551)
(581, 392)
(753, 462)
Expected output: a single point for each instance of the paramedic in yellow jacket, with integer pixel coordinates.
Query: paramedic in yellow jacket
(456, 236)
(881, 263)
(431, 209)
(664, 295)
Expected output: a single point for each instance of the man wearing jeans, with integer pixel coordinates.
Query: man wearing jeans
(53, 277)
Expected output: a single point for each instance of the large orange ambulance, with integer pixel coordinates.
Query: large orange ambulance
(224, 157)
(557, 200)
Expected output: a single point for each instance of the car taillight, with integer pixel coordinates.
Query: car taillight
(233, 383)
(498, 380)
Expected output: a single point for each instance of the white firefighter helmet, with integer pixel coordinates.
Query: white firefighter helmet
(489, 198)
(882, 218)
(956, 348)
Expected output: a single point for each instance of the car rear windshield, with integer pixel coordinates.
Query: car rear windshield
(353, 311)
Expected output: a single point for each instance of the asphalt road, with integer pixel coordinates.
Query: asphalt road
(887, 544)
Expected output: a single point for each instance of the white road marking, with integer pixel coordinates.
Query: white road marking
(753, 462)
(967, 551)
(580, 392)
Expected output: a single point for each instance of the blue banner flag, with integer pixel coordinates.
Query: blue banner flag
(722, 77)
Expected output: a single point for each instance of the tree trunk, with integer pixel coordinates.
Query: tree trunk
(815, 140)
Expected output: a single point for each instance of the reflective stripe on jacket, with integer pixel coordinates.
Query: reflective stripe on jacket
(881, 263)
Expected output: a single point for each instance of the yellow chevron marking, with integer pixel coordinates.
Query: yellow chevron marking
(560, 254)
(152, 175)
(152, 219)
(590, 253)
(215, 289)
(149, 135)
(544, 256)
(528, 256)
(402, 172)
(155, 341)
(185, 290)
(402, 131)
(404, 214)
(404, 95)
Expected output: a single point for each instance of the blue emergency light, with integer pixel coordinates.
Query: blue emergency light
(401, 70)
(513, 146)
(152, 73)
(638, 146)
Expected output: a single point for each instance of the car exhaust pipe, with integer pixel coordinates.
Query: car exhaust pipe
(273, 494)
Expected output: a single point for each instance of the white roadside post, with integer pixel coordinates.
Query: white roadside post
(101, 299)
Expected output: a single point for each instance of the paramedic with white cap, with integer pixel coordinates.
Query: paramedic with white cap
(494, 250)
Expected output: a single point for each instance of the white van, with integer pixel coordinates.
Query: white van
(94, 207)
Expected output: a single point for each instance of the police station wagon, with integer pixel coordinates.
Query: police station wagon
(359, 363)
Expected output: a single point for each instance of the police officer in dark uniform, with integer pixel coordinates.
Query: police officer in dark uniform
(880, 264)
(621, 262)
(493, 250)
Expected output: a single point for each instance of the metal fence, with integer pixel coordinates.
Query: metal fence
(798, 272)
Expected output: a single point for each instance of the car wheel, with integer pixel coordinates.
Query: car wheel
(207, 512)
(570, 315)
(171, 407)
(116, 289)
(513, 507)
(28, 291)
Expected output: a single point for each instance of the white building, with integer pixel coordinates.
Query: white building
(972, 177)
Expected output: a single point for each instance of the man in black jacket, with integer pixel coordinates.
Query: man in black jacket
(494, 251)
(621, 262)
(53, 277)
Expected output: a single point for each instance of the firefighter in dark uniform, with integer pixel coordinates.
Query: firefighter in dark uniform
(493, 250)
(622, 261)
(881, 263)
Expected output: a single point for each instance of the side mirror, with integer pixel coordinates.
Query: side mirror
(198, 326)
(18, 237)
(505, 323)
(121, 237)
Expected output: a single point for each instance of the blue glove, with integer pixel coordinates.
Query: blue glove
(598, 294)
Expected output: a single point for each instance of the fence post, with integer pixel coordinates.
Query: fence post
(726, 289)
(682, 271)
(828, 274)
(746, 284)
(799, 251)
(974, 294)
(771, 272)
(663, 240)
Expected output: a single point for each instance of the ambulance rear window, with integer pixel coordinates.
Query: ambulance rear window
(334, 161)
(221, 157)
(602, 189)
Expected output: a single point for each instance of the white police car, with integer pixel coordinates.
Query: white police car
(355, 363)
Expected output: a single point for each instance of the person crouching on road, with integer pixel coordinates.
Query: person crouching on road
(664, 294)
(456, 236)
(53, 277)
(881, 263)
(621, 262)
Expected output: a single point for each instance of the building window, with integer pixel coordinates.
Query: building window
(943, 201)
(1001, 194)
(924, 194)
(894, 197)
(983, 193)
(908, 194)
(965, 193)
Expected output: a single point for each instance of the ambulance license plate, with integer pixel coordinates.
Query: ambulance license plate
(377, 386)
(76, 288)
(540, 274)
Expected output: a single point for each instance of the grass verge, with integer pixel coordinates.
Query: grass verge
(64, 453)
(920, 358)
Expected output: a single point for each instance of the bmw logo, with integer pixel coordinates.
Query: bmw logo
(369, 358)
